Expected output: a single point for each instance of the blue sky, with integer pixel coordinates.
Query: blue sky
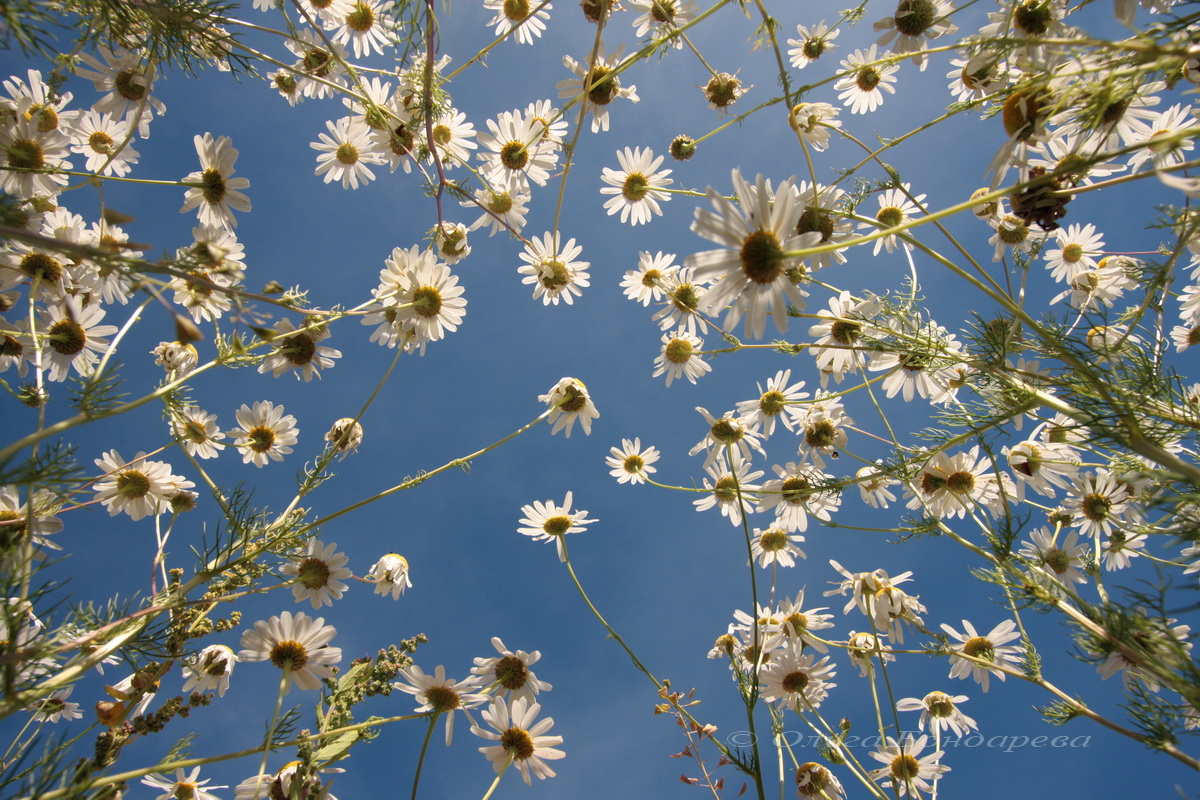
(665, 576)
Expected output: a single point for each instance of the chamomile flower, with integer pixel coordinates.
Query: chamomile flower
(127, 81)
(209, 670)
(795, 494)
(510, 672)
(915, 24)
(1099, 502)
(33, 157)
(600, 82)
(681, 306)
(390, 575)
(778, 401)
(19, 524)
(729, 430)
(837, 349)
(814, 123)
(664, 16)
(905, 770)
(320, 69)
(954, 486)
(514, 153)
(1056, 563)
(522, 741)
(637, 186)
(682, 355)
(265, 433)
(976, 77)
(1078, 248)
(569, 401)
(440, 695)
(421, 296)
(1120, 549)
(991, 648)
(56, 707)
(1160, 142)
(797, 681)
(197, 432)
(502, 209)
(647, 283)
(862, 87)
(454, 138)
(1041, 466)
(874, 486)
(939, 710)
(104, 140)
(731, 492)
(184, 785)
(140, 488)
(218, 193)
(317, 574)
(630, 463)
(549, 522)
(722, 91)
(814, 780)
(810, 44)
(345, 153)
(751, 268)
(367, 27)
(72, 338)
(776, 546)
(551, 268)
(896, 207)
(297, 644)
(527, 17)
(298, 351)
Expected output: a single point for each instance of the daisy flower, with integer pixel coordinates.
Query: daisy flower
(890, 606)
(647, 283)
(863, 587)
(197, 431)
(422, 296)
(1099, 502)
(775, 546)
(514, 153)
(904, 771)
(1012, 233)
(519, 15)
(299, 645)
(318, 574)
(895, 208)
(797, 681)
(730, 430)
(731, 491)
(284, 784)
(914, 360)
(1078, 246)
(319, 71)
(31, 156)
(104, 140)
(56, 707)
(810, 44)
(569, 401)
(1120, 549)
(954, 486)
(439, 695)
(450, 242)
(976, 77)
(185, 786)
(265, 433)
(751, 269)
(548, 522)
(218, 193)
(863, 648)
(1042, 466)
(552, 269)
(915, 24)
(128, 83)
(992, 648)
(873, 486)
(209, 670)
(664, 16)
(510, 671)
(599, 82)
(18, 522)
(722, 91)
(345, 153)
(390, 575)
(522, 741)
(1054, 564)
(795, 494)
(637, 186)
(1100, 286)
(814, 123)
(630, 463)
(814, 780)
(454, 137)
(502, 210)
(939, 711)
(836, 349)
(344, 436)
(862, 88)
(48, 106)
(797, 622)
(1159, 139)
(681, 356)
(777, 401)
(140, 488)
(298, 351)
(681, 307)
(367, 27)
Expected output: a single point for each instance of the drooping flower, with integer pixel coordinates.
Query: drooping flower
(209, 670)
(390, 574)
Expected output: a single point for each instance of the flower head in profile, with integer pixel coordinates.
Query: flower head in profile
(814, 780)
(440, 695)
(344, 436)
(548, 522)
(510, 672)
(629, 463)
(569, 401)
(521, 741)
(215, 192)
(265, 433)
(56, 707)
(752, 271)
(390, 574)
(209, 670)
(183, 787)
(297, 644)
(318, 574)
